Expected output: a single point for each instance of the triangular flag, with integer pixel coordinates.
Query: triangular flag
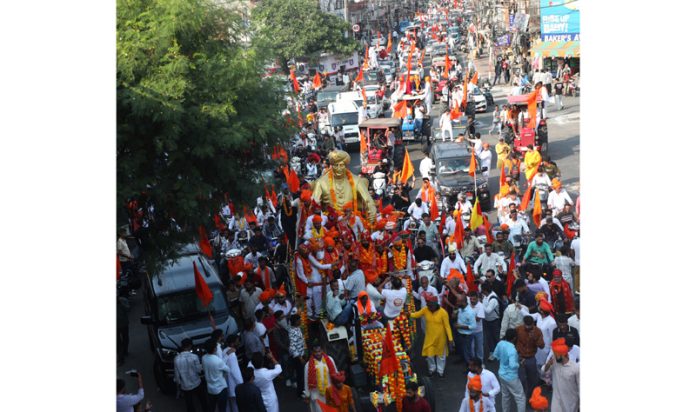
(510, 274)
(455, 113)
(476, 219)
(443, 219)
(400, 109)
(389, 43)
(474, 79)
(389, 363)
(536, 212)
(472, 165)
(458, 231)
(292, 179)
(359, 77)
(407, 169)
(324, 407)
(204, 243)
(448, 65)
(202, 290)
(274, 197)
(470, 279)
(316, 82)
(528, 193)
(295, 83)
(487, 225)
(363, 142)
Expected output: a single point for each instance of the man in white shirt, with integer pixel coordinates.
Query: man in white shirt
(489, 261)
(214, 369)
(558, 198)
(234, 378)
(125, 403)
(425, 165)
(394, 298)
(491, 322)
(417, 208)
(446, 125)
(187, 368)
(362, 113)
(490, 385)
(485, 157)
(546, 323)
(452, 261)
(517, 227)
(263, 379)
(513, 316)
(541, 178)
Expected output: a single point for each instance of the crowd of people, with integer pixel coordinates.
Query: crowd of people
(493, 294)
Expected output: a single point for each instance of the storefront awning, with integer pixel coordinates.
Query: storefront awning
(557, 49)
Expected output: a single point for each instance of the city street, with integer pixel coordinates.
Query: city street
(563, 149)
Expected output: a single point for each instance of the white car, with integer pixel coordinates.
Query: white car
(479, 99)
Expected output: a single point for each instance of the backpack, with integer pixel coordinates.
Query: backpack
(501, 306)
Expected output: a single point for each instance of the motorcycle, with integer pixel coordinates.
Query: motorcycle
(427, 268)
(379, 183)
(542, 190)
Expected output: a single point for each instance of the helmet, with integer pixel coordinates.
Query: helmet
(233, 253)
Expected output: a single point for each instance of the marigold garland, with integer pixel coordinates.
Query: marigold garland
(400, 258)
(332, 190)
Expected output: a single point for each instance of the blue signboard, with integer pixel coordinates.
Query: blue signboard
(503, 40)
(560, 20)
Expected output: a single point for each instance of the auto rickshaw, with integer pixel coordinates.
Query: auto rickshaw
(373, 135)
(518, 136)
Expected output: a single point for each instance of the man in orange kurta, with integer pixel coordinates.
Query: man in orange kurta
(339, 395)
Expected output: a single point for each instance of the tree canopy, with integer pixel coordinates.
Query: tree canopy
(194, 115)
(298, 28)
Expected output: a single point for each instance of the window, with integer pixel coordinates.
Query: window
(186, 305)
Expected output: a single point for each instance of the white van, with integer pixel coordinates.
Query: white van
(344, 113)
(374, 105)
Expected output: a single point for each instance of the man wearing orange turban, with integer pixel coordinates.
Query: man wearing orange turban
(565, 375)
(474, 401)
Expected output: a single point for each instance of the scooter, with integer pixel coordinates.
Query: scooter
(427, 268)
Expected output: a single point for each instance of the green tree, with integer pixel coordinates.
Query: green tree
(289, 29)
(194, 116)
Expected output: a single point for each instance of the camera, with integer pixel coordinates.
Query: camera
(132, 372)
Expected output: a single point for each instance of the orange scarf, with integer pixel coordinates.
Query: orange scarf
(349, 176)
(306, 266)
(471, 404)
(364, 310)
(382, 263)
(427, 193)
(265, 277)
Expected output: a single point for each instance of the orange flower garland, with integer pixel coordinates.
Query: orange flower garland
(400, 258)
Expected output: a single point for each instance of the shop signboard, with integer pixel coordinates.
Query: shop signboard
(560, 20)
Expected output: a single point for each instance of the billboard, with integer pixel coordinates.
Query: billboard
(560, 20)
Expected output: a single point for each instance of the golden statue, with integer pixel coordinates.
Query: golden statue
(339, 187)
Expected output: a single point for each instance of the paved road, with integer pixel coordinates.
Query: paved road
(564, 145)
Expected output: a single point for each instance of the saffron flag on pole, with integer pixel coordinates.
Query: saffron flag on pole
(532, 108)
(202, 290)
(204, 243)
(503, 179)
(510, 274)
(476, 216)
(389, 43)
(316, 82)
(295, 83)
(407, 170)
(359, 77)
(472, 165)
(487, 225)
(528, 193)
(292, 179)
(470, 279)
(389, 363)
(474, 79)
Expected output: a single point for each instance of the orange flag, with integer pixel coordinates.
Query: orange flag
(295, 83)
(359, 77)
(204, 243)
(389, 363)
(503, 179)
(202, 290)
(465, 92)
(292, 179)
(532, 108)
(474, 78)
(472, 165)
(407, 169)
(455, 113)
(528, 193)
(400, 109)
(366, 60)
(536, 212)
(448, 64)
(389, 43)
(434, 212)
(458, 230)
(325, 408)
(487, 225)
(364, 96)
(316, 83)
(470, 280)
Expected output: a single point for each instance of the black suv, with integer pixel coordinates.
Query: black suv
(174, 312)
(451, 163)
